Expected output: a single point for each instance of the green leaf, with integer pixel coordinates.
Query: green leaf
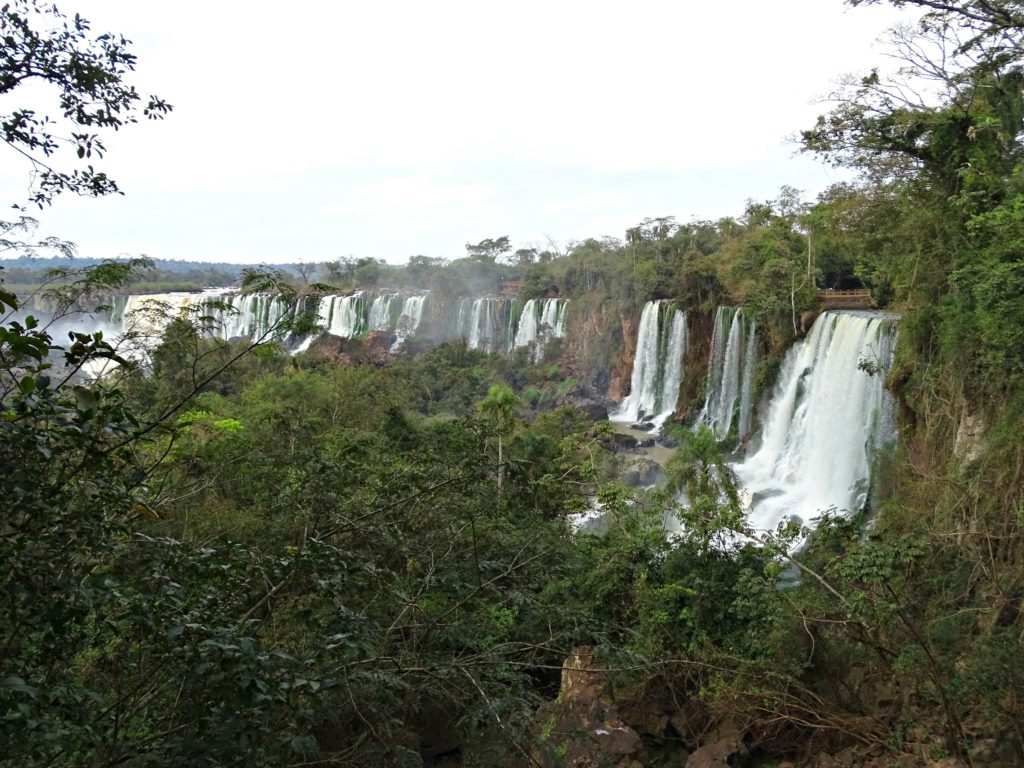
(17, 684)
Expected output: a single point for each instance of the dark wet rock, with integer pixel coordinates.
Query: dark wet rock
(583, 728)
(616, 442)
(759, 496)
(718, 754)
(374, 348)
(666, 442)
(595, 410)
(643, 426)
(642, 472)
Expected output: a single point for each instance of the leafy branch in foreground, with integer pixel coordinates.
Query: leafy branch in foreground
(88, 70)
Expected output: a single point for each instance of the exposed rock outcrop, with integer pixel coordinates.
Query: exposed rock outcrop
(374, 348)
(970, 435)
(618, 386)
(583, 729)
(642, 472)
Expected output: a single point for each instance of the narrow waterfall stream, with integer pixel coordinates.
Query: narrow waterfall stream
(826, 418)
(728, 404)
(657, 366)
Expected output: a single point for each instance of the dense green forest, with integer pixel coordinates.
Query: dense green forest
(227, 555)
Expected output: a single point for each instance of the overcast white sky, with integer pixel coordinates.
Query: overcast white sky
(308, 131)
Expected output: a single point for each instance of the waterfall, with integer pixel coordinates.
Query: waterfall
(541, 320)
(485, 323)
(826, 418)
(218, 313)
(343, 316)
(730, 374)
(409, 320)
(380, 312)
(252, 317)
(657, 366)
(526, 334)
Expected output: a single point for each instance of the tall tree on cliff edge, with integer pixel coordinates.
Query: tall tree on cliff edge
(938, 141)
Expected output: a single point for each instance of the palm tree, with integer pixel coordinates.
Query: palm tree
(499, 408)
(699, 471)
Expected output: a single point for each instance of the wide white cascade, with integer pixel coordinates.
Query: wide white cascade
(730, 374)
(222, 314)
(343, 316)
(657, 366)
(380, 311)
(826, 418)
(353, 315)
(541, 320)
(485, 323)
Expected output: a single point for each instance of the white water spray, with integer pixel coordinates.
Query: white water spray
(730, 374)
(827, 417)
(657, 366)
(541, 320)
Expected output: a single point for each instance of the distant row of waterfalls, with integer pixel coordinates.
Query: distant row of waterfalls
(487, 323)
(802, 447)
(822, 422)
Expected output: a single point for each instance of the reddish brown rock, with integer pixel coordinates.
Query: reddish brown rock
(622, 374)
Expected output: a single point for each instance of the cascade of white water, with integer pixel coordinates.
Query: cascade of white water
(343, 316)
(526, 333)
(541, 320)
(554, 315)
(730, 374)
(463, 318)
(657, 366)
(672, 375)
(481, 329)
(137, 322)
(380, 312)
(409, 320)
(148, 314)
(827, 416)
(118, 305)
(253, 317)
(485, 323)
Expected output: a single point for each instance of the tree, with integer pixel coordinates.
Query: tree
(89, 72)
(713, 512)
(499, 408)
(524, 257)
(306, 270)
(489, 250)
(991, 24)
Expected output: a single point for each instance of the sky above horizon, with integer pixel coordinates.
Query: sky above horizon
(391, 129)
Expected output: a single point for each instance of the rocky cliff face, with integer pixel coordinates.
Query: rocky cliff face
(618, 385)
(599, 345)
